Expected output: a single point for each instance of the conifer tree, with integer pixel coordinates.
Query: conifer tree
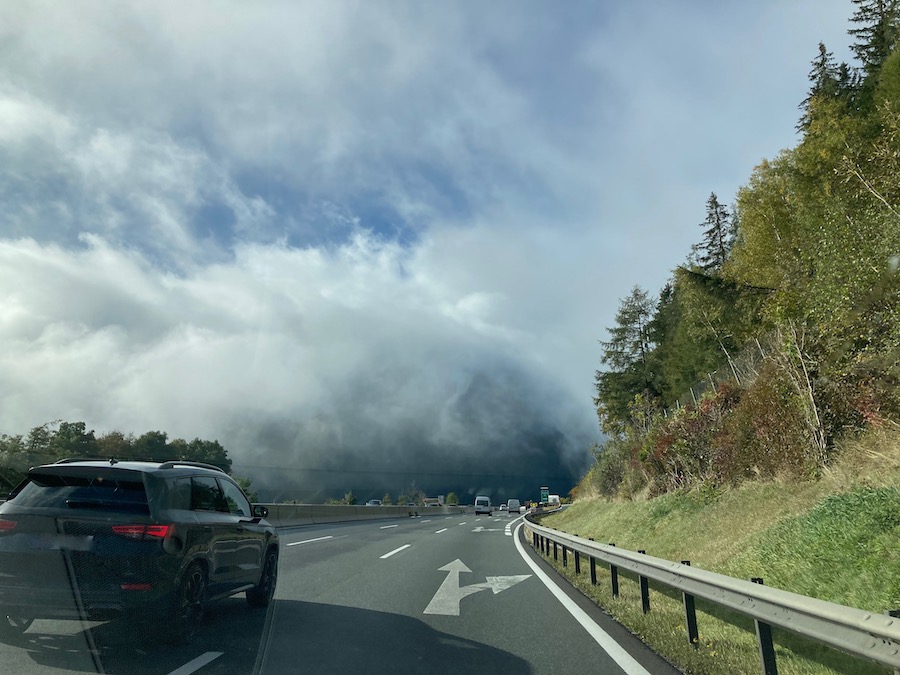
(877, 32)
(827, 81)
(712, 252)
(627, 355)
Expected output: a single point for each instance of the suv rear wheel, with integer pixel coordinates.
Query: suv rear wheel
(190, 601)
(262, 593)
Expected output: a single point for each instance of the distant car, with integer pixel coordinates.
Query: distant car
(482, 505)
(503, 507)
(410, 503)
(373, 502)
(152, 542)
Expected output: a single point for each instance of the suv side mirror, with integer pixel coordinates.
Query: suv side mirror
(260, 511)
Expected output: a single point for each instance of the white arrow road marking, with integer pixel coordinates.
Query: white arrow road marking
(486, 529)
(446, 600)
(498, 584)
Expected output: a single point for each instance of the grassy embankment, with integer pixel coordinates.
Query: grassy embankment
(836, 538)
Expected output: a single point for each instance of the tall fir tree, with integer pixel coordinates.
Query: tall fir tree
(827, 80)
(877, 32)
(712, 252)
(627, 356)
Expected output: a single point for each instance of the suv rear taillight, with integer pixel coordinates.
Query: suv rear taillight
(140, 532)
(7, 526)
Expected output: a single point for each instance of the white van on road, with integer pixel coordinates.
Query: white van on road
(513, 505)
(483, 505)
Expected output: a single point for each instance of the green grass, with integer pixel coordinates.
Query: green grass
(835, 539)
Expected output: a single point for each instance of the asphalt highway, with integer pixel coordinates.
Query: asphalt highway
(440, 594)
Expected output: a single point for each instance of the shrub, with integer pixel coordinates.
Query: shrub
(765, 434)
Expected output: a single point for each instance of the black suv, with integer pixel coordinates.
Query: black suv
(96, 539)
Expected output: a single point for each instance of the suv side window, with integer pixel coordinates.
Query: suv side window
(205, 494)
(179, 493)
(236, 501)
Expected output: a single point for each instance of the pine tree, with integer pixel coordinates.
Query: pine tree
(878, 30)
(629, 342)
(712, 252)
(825, 77)
(627, 354)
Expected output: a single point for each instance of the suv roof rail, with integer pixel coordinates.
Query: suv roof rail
(69, 460)
(179, 462)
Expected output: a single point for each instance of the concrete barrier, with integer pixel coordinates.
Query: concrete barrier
(295, 515)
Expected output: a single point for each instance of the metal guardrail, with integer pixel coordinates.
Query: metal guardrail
(865, 634)
(294, 515)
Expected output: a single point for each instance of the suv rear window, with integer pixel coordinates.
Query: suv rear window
(68, 490)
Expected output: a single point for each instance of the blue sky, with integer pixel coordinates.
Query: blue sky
(236, 211)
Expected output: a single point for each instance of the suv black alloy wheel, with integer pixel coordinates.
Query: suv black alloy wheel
(261, 594)
(189, 604)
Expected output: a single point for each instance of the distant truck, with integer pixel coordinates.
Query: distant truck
(553, 499)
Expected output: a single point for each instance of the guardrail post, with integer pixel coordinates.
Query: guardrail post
(555, 556)
(577, 563)
(593, 568)
(534, 539)
(895, 613)
(565, 556)
(690, 615)
(614, 578)
(764, 639)
(645, 591)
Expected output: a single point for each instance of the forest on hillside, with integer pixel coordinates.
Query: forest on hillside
(780, 333)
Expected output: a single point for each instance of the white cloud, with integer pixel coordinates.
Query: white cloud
(189, 197)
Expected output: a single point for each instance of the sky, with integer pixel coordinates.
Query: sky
(365, 243)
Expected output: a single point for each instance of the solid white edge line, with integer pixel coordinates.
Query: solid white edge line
(387, 527)
(624, 660)
(309, 541)
(439, 531)
(196, 664)
(396, 550)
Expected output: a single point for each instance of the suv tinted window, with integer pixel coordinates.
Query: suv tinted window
(235, 500)
(205, 494)
(83, 492)
(179, 493)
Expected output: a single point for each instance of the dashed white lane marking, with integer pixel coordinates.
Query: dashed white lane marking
(439, 531)
(625, 660)
(463, 523)
(425, 521)
(387, 527)
(508, 529)
(396, 550)
(309, 541)
(196, 664)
